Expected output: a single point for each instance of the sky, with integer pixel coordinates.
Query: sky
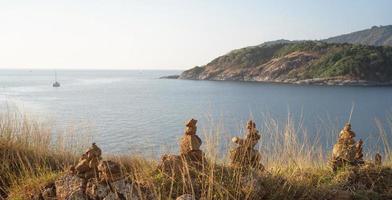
(165, 34)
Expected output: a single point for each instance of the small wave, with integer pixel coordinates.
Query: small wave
(98, 81)
(23, 89)
(15, 104)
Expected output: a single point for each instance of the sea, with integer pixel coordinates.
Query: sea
(133, 111)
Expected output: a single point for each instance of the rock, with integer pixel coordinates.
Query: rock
(194, 158)
(185, 197)
(378, 159)
(77, 195)
(87, 167)
(190, 141)
(95, 179)
(190, 153)
(125, 189)
(347, 152)
(120, 189)
(190, 147)
(70, 187)
(171, 165)
(109, 171)
(245, 155)
(97, 190)
(49, 191)
(111, 184)
(242, 157)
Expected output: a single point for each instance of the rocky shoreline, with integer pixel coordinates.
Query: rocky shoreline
(314, 81)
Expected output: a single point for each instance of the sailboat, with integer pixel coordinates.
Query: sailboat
(56, 83)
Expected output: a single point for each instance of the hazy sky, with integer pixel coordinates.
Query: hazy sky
(170, 34)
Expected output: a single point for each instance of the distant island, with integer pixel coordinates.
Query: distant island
(359, 58)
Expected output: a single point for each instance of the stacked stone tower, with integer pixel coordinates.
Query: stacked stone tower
(245, 155)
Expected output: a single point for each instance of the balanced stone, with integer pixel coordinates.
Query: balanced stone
(190, 143)
(347, 152)
(245, 155)
(87, 167)
(190, 153)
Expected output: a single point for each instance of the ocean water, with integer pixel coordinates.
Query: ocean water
(134, 111)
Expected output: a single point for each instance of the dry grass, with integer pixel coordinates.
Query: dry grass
(30, 149)
(296, 166)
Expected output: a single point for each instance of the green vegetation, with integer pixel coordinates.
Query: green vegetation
(296, 167)
(354, 61)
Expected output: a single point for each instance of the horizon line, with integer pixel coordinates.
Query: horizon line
(97, 69)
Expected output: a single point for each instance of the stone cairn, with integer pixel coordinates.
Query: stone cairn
(92, 178)
(190, 144)
(87, 166)
(190, 153)
(347, 152)
(245, 156)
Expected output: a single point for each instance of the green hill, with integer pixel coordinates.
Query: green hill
(301, 62)
(376, 36)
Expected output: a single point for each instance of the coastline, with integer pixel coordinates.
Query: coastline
(314, 81)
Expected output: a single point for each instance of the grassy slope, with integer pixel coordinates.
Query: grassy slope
(30, 158)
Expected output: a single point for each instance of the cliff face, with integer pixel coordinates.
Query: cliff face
(300, 62)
